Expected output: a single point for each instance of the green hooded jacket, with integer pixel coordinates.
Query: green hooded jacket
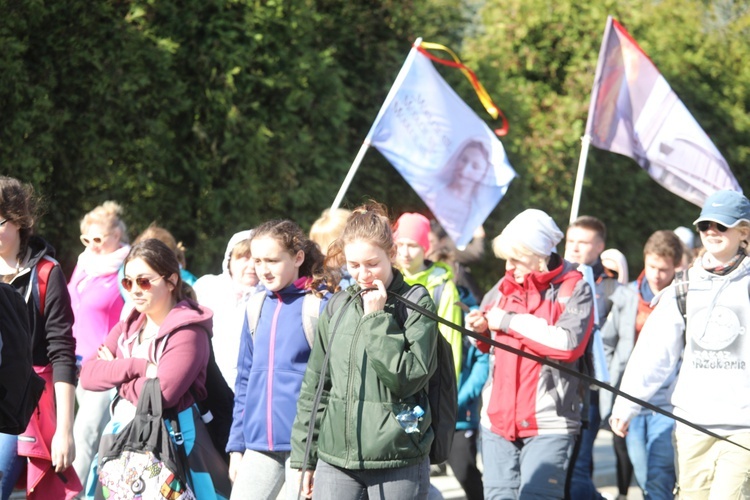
(375, 368)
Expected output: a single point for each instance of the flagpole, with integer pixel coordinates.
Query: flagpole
(585, 143)
(366, 143)
(586, 139)
(350, 174)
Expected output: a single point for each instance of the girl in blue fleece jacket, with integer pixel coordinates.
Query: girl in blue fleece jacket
(272, 361)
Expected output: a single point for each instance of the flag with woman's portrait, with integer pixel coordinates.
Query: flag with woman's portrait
(442, 148)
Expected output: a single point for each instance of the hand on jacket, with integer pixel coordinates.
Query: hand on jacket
(104, 353)
(476, 321)
(63, 450)
(374, 300)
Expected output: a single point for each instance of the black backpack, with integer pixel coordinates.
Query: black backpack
(442, 392)
(20, 386)
(216, 409)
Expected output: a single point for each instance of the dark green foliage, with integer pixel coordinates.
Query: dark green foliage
(206, 116)
(210, 116)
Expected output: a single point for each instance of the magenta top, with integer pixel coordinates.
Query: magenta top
(96, 303)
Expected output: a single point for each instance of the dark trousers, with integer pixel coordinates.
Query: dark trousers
(624, 467)
(463, 462)
(580, 484)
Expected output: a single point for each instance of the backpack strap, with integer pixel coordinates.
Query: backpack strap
(40, 279)
(310, 316)
(682, 284)
(437, 294)
(254, 306)
(415, 294)
(336, 302)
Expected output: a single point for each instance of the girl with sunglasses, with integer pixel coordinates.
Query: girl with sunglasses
(167, 336)
(707, 354)
(272, 359)
(97, 304)
(26, 261)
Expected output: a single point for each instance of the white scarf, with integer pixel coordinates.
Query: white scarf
(102, 264)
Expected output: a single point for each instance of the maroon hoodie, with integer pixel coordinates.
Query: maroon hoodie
(180, 351)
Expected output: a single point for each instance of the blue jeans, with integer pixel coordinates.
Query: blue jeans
(651, 452)
(11, 464)
(376, 484)
(527, 468)
(581, 482)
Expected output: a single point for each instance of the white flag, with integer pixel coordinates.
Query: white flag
(448, 155)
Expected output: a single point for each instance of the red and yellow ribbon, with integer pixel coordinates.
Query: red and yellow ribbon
(484, 97)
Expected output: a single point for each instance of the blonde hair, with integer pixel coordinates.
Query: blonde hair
(161, 234)
(328, 227)
(505, 248)
(107, 214)
(241, 249)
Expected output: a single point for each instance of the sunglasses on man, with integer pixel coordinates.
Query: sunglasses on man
(705, 225)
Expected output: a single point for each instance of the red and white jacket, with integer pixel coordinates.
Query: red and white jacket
(550, 315)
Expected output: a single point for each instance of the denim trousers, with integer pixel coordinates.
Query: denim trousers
(651, 452)
(527, 468)
(407, 483)
(11, 464)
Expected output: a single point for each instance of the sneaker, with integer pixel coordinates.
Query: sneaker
(438, 469)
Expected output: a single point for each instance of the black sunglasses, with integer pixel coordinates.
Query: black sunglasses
(705, 225)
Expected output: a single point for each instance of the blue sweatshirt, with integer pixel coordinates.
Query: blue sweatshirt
(270, 367)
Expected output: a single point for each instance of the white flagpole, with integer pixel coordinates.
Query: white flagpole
(366, 143)
(585, 142)
(586, 139)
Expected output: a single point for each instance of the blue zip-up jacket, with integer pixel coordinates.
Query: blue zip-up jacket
(475, 368)
(270, 367)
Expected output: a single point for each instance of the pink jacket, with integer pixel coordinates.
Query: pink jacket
(181, 352)
(96, 303)
(35, 443)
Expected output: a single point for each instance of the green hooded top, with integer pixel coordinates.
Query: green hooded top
(376, 367)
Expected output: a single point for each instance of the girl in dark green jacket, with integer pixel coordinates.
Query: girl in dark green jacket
(379, 366)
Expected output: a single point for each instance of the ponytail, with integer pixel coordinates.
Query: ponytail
(368, 222)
